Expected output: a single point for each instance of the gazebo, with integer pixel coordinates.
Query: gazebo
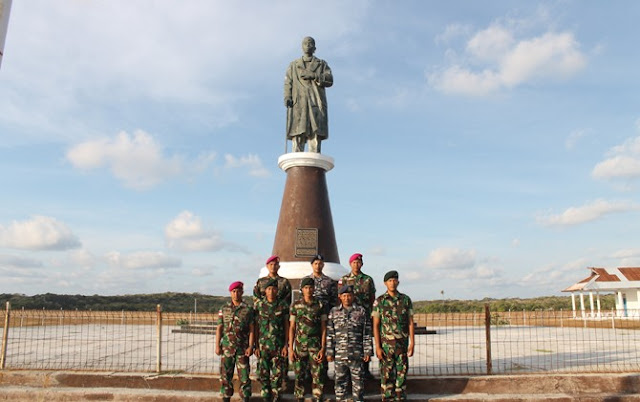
(624, 282)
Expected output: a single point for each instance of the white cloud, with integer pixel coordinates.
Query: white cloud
(623, 161)
(620, 166)
(491, 44)
(12, 261)
(38, 233)
(554, 277)
(451, 32)
(142, 260)
(586, 213)
(499, 61)
(627, 257)
(82, 258)
(187, 233)
(451, 258)
(252, 162)
(137, 160)
(201, 54)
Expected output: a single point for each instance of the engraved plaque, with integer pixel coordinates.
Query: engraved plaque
(306, 242)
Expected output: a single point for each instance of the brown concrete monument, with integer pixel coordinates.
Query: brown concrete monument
(305, 227)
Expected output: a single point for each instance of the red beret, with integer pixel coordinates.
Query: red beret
(272, 258)
(355, 257)
(236, 285)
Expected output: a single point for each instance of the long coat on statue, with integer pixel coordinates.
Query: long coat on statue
(309, 112)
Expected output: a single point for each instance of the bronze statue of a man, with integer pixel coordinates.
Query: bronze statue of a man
(305, 99)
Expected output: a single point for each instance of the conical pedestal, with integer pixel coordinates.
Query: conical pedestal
(305, 226)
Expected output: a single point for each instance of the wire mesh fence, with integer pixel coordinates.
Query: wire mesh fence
(455, 343)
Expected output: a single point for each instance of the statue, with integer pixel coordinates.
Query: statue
(305, 99)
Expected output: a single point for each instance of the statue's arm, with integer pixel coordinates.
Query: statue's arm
(325, 78)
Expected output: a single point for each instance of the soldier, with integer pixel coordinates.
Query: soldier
(284, 287)
(325, 289)
(364, 290)
(272, 323)
(307, 341)
(393, 332)
(234, 343)
(349, 344)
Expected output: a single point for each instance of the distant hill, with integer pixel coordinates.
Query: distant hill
(184, 302)
(170, 302)
(556, 303)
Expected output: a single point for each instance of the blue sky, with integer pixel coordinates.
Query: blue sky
(487, 149)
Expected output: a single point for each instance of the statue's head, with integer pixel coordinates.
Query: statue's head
(308, 45)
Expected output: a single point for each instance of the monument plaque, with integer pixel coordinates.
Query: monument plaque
(306, 242)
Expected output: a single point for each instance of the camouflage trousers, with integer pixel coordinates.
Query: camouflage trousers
(227, 364)
(271, 372)
(303, 365)
(345, 369)
(393, 371)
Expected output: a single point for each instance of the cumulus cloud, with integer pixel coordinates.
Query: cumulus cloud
(137, 160)
(186, 232)
(586, 213)
(623, 161)
(142, 260)
(38, 233)
(451, 258)
(251, 162)
(494, 59)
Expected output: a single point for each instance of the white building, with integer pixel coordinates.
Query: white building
(624, 282)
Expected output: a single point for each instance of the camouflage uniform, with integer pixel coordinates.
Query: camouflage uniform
(235, 322)
(284, 289)
(348, 341)
(364, 289)
(394, 314)
(308, 318)
(270, 322)
(325, 290)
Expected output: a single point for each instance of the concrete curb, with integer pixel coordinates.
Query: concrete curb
(54, 386)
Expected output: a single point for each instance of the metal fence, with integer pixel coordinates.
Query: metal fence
(458, 343)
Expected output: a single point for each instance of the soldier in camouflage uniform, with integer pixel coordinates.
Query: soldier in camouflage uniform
(349, 344)
(272, 323)
(284, 287)
(364, 290)
(234, 343)
(307, 337)
(325, 289)
(393, 332)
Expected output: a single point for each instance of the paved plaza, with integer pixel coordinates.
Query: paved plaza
(451, 351)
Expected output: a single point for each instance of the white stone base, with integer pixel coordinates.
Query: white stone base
(300, 269)
(312, 159)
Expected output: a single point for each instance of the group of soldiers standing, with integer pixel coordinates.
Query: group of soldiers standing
(331, 322)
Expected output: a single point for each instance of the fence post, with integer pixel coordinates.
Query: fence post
(487, 327)
(5, 335)
(159, 338)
